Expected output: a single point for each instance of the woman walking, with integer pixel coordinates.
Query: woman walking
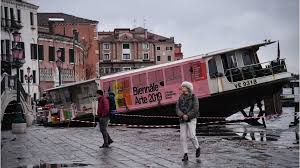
(187, 109)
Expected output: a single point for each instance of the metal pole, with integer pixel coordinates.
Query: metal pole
(28, 80)
(59, 76)
(18, 89)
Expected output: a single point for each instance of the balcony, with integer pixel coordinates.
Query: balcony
(254, 70)
(6, 58)
(10, 24)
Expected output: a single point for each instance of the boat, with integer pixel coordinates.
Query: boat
(225, 82)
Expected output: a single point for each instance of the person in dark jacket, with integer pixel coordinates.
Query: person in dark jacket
(103, 113)
(187, 109)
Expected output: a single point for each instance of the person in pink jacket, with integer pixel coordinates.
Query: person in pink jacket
(103, 113)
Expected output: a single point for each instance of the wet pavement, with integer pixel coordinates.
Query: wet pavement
(230, 145)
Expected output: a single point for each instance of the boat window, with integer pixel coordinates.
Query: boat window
(173, 75)
(109, 86)
(139, 80)
(212, 66)
(232, 63)
(124, 85)
(247, 58)
(197, 71)
(229, 61)
(188, 72)
(155, 76)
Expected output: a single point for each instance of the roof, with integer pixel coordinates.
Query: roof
(22, 2)
(218, 52)
(44, 17)
(211, 54)
(70, 84)
(114, 36)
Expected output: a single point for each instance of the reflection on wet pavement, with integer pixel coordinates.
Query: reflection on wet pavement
(230, 145)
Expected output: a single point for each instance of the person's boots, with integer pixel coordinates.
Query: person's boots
(198, 152)
(185, 157)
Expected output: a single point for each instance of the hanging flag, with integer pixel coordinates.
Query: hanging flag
(278, 51)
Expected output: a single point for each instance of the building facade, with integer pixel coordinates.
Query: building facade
(72, 52)
(20, 16)
(125, 49)
(84, 31)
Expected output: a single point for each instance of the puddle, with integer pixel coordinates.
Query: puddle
(45, 165)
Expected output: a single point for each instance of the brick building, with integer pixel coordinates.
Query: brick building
(82, 30)
(72, 67)
(125, 49)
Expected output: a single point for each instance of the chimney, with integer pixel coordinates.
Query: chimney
(146, 33)
(51, 24)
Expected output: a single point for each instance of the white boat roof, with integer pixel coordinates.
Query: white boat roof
(70, 84)
(210, 54)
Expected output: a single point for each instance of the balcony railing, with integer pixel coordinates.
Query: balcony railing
(6, 57)
(255, 70)
(11, 24)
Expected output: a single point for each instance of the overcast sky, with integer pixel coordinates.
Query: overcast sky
(200, 25)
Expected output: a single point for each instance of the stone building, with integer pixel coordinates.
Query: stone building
(125, 49)
(20, 16)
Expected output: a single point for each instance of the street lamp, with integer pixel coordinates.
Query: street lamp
(18, 58)
(28, 78)
(59, 65)
(16, 36)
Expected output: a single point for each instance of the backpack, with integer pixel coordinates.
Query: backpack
(112, 103)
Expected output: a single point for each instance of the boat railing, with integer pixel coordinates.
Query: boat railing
(256, 70)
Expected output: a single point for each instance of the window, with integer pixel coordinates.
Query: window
(145, 45)
(247, 58)
(188, 72)
(2, 47)
(146, 56)
(7, 47)
(169, 48)
(31, 19)
(51, 53)
(126, 68)
(12, 15)
(21, 76)
(34, 96)
(169, 58)
(41, 52)
(19, 15)
(126, 46)
(6, 13)
(157, 48)
(106, 46)
(33, 76)
(63, 54)
(158, 58)
(33, 48)
(139, 80)
(106, 57)
(126, 57)
(212, 67)
(155, 76)
(106, 70)
(173, 75)
(22, 45)
(71, 56)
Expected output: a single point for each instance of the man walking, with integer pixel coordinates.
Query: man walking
(103, 113)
